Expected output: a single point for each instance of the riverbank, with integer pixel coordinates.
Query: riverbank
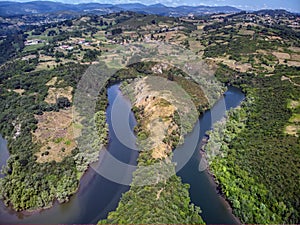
(95, 210)
(220, 126)
(202, 187)
(96, 194)
(155, 186)
(89, 205)
(4, 154)
(224, 198)
(257, 205)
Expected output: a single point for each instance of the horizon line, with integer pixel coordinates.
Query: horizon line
(132, 3)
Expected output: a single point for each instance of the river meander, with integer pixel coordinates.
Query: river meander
(97, 195)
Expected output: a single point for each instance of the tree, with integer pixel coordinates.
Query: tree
(63, 102)
(101, 23)
(52, 33)
(116, 31)
(90, 55)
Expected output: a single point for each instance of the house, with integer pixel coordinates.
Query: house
(33, 42)
(66, 47)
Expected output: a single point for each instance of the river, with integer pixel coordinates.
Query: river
(97, 195)
(215, 210)
(4, 154)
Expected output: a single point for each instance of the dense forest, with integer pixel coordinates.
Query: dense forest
(141, 205)
(29, 184)
(11, 45)
(258, 167)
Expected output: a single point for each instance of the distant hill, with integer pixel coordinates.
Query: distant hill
(35, 7)
(273, 12)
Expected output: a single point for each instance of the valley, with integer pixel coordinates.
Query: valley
(60, 79)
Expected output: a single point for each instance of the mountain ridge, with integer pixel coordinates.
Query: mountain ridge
(8, 8)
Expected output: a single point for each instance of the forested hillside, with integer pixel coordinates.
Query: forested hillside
(44, 57)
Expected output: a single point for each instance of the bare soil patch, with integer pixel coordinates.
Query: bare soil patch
(233, 64)
(292, 130)
(55, 134)
(293, 127)
(294, 49)
(54, 93)
(246, 32)
(281, 55)
(293, 104)
(295, 57)
(45, 65)
(293, 63)
(19, 91)
(157, 119)
(52, 81)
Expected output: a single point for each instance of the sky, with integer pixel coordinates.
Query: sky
(290, 5)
